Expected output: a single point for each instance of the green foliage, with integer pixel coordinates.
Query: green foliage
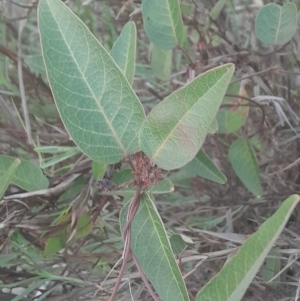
(272, 267)
(90, 91)
(231, 119)
(163, 23)
(26, 176)
(244, 163)
(276, 24)
(161, 63)
(175, 129)
(150, 244)
(235, 277)
(99, 170)
(56, 243)
(200, 166)
(124, 51)
(94, 96)
(6, 179)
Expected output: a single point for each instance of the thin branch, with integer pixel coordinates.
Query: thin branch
(21, 83)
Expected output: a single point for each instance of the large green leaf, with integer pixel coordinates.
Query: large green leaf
(163, 23)
(6, 179)
(27, 176)
(244, 163)
(175, 129)
(124, 51)
(151, 246)
(96, 103)
(276, 24)
(235, 277)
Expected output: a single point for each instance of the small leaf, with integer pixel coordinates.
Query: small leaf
(215, 12)
(123, 176)
(244, 163)
(177, 244)
(56, 243)
(276, 24)
(36, 65)
(7, 178)
(27, 176)
(97, 104)
(175, 129)
(161, 63)
(164, 186)
(235, 277)
(124, 51)
(203, 167)
(84, 227)
(233, 118)
(272, 267)
(163, 23)
(151, 246)
(99, 170)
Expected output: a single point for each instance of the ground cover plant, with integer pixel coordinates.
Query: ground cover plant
(123, 147)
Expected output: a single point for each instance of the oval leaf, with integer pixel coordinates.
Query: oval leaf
(96, 103)
(163, 23)
(244, 163)
(6, 179)
(276, 24)
(161, 63)
(204, 167)
(231, 119)
(27, 176)
(151, 246)
(175, 129)
(124, 51)
(235, 277)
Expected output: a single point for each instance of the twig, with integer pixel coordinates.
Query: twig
(21, 83)
(127, 238)
(50, 191)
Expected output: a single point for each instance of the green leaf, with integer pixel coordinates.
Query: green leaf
(215, 12)
(175, 129)
(235, 277)
(233, 118)
(163, 23)
(97, 104)
(36, 65)
(161, 63)
(7, 178)
(99, 170)
(244, 163)
(272, 267)
(27, 176)
(213, 127)
(276, 24)
(151, 246)
(203, 167)
(124, 51)
(56, 243)
(177, 244)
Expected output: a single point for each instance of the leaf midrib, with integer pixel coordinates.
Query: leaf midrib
(183, 117)
(161, 243)
(87, 84)
(279, 22)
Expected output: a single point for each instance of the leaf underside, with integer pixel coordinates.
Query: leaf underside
(96, 103)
